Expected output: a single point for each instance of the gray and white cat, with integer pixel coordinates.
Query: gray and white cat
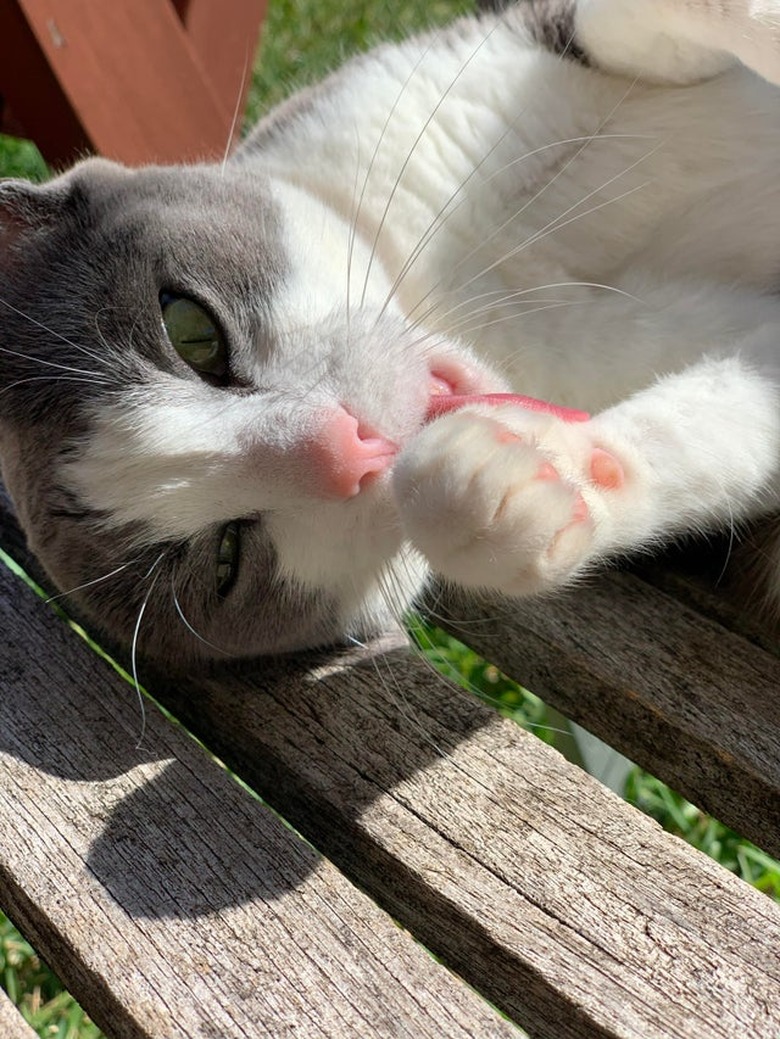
(245, 407)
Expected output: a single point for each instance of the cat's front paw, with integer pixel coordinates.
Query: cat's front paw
(680, 41)
(504, 498)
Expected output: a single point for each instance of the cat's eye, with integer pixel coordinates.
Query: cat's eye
(227, 558)
(194, 335)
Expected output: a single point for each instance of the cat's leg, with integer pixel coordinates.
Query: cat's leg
(680, 41)
(522, 502)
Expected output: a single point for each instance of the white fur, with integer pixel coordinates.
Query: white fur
(681, 42)
(602, 241)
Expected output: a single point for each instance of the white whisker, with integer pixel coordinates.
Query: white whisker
(506, 298)
(134, 643)
(587, 142)
(90, 584)
(47, 364)
(557, 223)
(54, 378)
(413, 149)
(236, 114)
(190, 628)
(464, 329)
(372, 161)
(50, 331)
(445, 213)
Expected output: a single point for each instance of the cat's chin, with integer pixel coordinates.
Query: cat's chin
(339, 544)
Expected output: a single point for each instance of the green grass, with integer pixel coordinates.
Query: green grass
(302, 40)
(472, 672)
(37, 992)
(21, 159)
(305, 39)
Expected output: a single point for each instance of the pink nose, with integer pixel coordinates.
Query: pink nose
(343, 455)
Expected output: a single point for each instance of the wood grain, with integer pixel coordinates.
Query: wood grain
(170, 901)
(567, 909)
(562, 905)
(12, 1024)
(28, 85)
(678, 693)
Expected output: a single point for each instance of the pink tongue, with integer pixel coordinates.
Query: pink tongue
(441, 403)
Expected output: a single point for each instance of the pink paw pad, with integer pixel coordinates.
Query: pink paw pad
(547, 471)
(579, 514)
(605, 470)
(580, 511)
(506, 436)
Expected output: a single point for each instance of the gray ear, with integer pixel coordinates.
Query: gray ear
(26, 207)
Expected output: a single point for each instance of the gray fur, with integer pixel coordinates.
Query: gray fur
(113, 239)
(550, 23)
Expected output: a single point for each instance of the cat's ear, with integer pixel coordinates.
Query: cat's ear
(26, 207)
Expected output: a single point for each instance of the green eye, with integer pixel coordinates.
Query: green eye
(194, 335)
(227, 558)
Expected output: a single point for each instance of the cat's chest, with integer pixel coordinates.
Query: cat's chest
(481, 153)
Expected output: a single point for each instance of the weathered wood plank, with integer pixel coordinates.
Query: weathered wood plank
(12, 1024)
(703, 576)
(561, 904)
(678, 693)
(171, 902)
(566, 908)
(696, 704)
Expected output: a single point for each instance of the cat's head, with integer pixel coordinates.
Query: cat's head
(196, 425)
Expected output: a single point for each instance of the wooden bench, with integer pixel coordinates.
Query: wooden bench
(174, 903)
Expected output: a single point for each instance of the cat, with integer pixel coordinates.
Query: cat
(249, 407)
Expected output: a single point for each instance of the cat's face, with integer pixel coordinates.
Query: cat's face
(199, 419)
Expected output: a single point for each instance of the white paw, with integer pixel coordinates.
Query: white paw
(757, 39)
(657, 40)
(508, 499)
(681, 41)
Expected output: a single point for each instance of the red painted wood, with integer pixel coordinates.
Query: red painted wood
(226, 46)
(135, 80)
(31, 89)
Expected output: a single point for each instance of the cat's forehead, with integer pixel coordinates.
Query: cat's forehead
(102, 218)
(193, 212)
(186, 190)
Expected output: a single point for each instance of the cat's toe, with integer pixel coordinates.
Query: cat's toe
(489, 507)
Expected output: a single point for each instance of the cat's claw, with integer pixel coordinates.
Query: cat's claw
(507, 499)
